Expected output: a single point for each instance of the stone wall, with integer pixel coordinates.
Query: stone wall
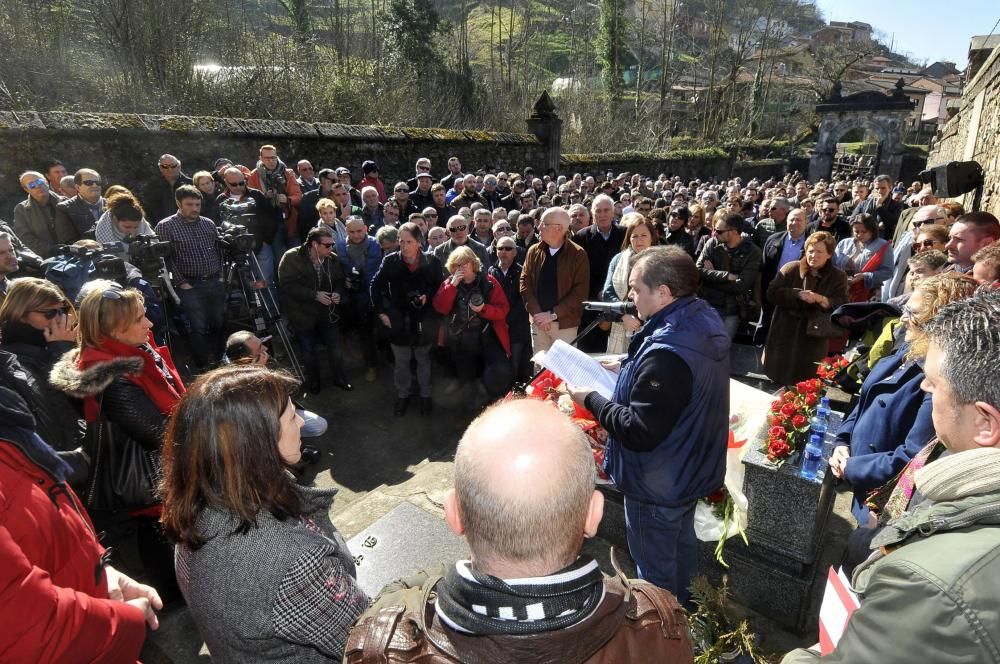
(124, 147)
(687, 167)
(973, 134)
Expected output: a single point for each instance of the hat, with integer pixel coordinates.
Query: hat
(423, 174)
(369, 166)
(220, 162)
(341, 170)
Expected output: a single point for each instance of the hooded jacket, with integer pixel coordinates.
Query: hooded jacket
(53, 589)
(689, 461)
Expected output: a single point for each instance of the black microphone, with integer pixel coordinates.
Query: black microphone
(613, 308)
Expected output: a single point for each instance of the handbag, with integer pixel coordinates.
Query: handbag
(821, 325)
(124, 475)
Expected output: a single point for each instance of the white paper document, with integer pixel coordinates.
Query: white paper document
(577, 368)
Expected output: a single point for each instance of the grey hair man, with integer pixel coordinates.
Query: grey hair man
(35, 217)
(775, 223)
(525, 504)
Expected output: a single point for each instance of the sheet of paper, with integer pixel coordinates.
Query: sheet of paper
(577, 368)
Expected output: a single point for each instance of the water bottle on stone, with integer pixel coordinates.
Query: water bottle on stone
(812, 457)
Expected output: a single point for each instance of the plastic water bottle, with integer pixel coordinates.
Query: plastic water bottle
(812, 456)
(824, 408)
(821, 420)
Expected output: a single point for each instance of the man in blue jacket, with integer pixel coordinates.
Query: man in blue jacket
(360, 256)
(668, 421)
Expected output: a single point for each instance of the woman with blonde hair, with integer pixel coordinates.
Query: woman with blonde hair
(892, 419)
(696, 224)
(129, 387)
(475, 309)
(639, 234)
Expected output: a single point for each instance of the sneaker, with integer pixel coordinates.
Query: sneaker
(370, 374)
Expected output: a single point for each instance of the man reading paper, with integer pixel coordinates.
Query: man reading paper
(668, 420)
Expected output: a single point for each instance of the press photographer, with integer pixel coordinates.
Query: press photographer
(279, 186)
(241, 205)
(123, 220)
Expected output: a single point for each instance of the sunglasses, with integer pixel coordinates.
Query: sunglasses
(505, 248)
(168, 167)
(91, 183)
(35, 184)
(501, 228)
(926, 244)
(112, 293)
(402, 191)
(236, 184)
(432, 216)
(830, 210)
(326, 244)
(52, 313)
(457, 229)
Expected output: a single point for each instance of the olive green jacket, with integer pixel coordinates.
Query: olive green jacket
(936, 598)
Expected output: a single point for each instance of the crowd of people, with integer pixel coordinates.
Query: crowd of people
(468, 276)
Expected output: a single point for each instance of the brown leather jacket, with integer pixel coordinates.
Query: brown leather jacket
(572, 278)
(636, 622)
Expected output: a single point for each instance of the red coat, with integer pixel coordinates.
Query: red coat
(374, 182)
(494, 310)
(52, 606)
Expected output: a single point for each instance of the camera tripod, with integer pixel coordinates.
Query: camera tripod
(258, 308)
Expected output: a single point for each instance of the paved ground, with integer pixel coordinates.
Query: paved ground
(378, 461)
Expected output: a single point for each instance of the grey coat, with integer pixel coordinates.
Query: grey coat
(35, 224)
(285, 591)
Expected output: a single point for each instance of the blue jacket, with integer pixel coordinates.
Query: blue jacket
(889, 425)
(690, 462)
(372, 261)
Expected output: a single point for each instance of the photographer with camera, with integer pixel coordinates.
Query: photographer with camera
(196, 267)
(123, 220)
(241, 205)
(312, 286)
(279, 186)
(401, 292)
(360, 256)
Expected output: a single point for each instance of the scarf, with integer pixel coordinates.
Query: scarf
(475, 603)
(952, 477)
(152, 380)
(106, 233)
(893, 498)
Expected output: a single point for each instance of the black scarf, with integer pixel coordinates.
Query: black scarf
(477, 603)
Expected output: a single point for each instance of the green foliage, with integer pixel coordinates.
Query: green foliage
(611, 46)
(718, 634)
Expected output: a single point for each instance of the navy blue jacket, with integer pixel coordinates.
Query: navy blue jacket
(372, 261)
(690, 460)
(889, 425)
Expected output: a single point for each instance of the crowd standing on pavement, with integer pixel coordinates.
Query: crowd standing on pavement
(137, 409)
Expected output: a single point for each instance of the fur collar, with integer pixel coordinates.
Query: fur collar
(82, 383)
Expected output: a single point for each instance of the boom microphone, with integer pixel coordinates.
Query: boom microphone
(613, 308)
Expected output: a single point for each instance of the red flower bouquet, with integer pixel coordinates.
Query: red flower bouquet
(788, 423)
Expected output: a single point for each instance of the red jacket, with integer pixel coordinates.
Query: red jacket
(53, 605)
(373, 182)
(494, 310)
(294, 193)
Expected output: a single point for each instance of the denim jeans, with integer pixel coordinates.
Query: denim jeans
(663, 544)
(313, 425)
(204, 304)
(326, 333)
(266, 260)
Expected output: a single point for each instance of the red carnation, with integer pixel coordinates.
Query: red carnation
(778, 449)
(799, 421)
(812, 399)
(788, 409)
(788, 396)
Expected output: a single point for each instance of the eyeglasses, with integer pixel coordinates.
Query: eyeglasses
(52, 313)
(505, 248)
(457, 229)
(432, 216)
(35, 184)
(91, 183)
(236, 184)
(169, 167)
(926, 244)
(501, 228)
(910, 315)
(326, 244)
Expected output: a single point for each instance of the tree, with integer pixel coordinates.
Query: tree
(611, 47)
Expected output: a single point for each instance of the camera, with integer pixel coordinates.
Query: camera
(77, 252)
(236, 240)
(274, 181)
(353, 281)
(111, 268)
(413, 299)
(144, 248)
(476, 300)
(238, 213)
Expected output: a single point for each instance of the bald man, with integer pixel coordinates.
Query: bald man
(554, 282)
(525, 504)
(35, 216)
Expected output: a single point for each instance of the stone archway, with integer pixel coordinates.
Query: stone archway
(881, 114)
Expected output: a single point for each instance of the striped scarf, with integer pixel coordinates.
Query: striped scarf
(475, 603)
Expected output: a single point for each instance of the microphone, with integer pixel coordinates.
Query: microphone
(613, 308)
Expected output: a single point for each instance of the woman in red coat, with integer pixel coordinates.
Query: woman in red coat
(475, 310)
(59, 600)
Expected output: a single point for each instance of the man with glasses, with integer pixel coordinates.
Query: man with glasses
(458, 231)
(77, 215)
(773, 223)
(360, 256)
(490, 192)
(307, 178)
(924, 196)
(554, 282)
(312, 287)
(830, 220)
(420, 192)
(729, 266)
(196, 267)
(278, 184)
(423, 166)
(243, 205)
(401, 194)
(158, 194)
(35, 217)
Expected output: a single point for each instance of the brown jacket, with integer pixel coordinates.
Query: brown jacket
(572, 277)
(789, 354)
(635, 622)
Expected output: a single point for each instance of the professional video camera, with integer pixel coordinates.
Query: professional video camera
(236, 240)
(145, 248)
(233, 212)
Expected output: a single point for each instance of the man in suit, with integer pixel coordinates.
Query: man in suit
(76, 216)
(601, 240)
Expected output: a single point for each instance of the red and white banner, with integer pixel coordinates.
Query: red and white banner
(839, 602)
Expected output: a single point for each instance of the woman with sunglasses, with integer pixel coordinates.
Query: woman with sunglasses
(892, 419)
(129, 387)
(931, 237)
(38, 326)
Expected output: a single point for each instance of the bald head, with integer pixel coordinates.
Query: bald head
(929, 214)
(524, 502)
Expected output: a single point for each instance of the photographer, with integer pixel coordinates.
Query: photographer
(123, 219)
(196, 267)
(360, 257)
(400, 293)
(312, 285)
(278, 184)
(241, 205)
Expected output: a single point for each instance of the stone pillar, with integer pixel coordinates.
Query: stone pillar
(547, 126)
(820, 164)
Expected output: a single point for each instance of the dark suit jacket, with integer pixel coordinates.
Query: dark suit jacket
(599, 254)
(772, 254)
(73, 219)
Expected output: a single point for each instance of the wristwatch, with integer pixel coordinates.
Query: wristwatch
(554, 315)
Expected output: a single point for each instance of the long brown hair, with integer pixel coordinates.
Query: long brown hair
(221, 451)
